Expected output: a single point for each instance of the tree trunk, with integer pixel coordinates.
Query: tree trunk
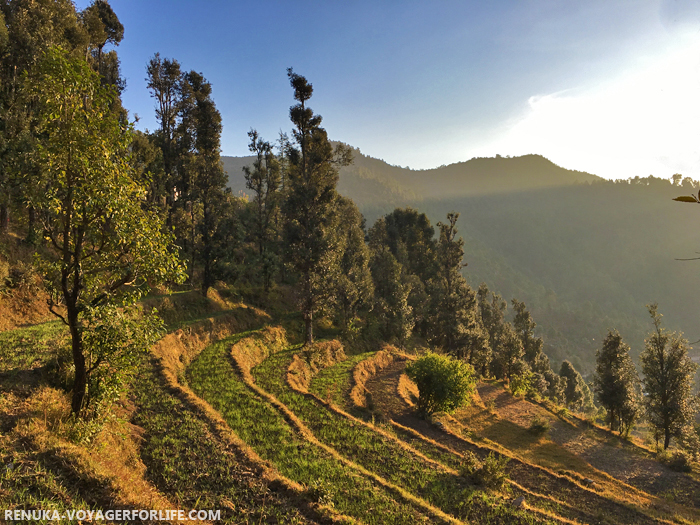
(4, 218)
(80, 382)
(667, 437)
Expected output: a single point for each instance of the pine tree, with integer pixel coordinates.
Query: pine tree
(617, 384)
(391, 292)
(264, 181)
(354, 287)
(668, 380)
(574, 391)
(311, 205)
(455, 324)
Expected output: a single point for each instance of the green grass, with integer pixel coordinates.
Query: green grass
(193, 468)
(334, 383)
(213, 378)
(381, 455)
(30, 347)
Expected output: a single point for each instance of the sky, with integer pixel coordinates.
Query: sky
(608, 87)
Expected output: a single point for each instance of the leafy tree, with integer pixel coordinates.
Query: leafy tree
(444, 383)
(391, 292)
(455, 324)
(103, 27)
(617, 384)
(525, 328)
(493, 318)
(207, 179)
(164, 77)
(264, 180)
(668, 380)
(575, 389)
(510, 352)
(101, 236)
(311, 206)
(354, 287)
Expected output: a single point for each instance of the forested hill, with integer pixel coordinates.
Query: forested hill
(584, 253)
(378, 187)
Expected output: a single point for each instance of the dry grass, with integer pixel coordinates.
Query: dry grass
(311, 360)
(407, 390)
(253, 350)
(177, 349)
(364, 370)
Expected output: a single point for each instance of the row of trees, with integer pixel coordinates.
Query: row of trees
(664, 395)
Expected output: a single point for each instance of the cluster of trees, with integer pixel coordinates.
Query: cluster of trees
(664, 395)
(114, 211)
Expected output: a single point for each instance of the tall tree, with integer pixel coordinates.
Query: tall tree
(101, 237)
(264, 181)
(354, 288)
(616, 383)
(455, 322)
(205, 176)
(391, 291)
(164, 78)
(575, 389)
(668, 380)
(310, 208)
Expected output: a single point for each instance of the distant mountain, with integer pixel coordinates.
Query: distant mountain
(584, 253)
(378, 187)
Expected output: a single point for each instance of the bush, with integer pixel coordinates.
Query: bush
(492, 473)
(678, 460)
(444, 383)
(470, 464)
(539, 425)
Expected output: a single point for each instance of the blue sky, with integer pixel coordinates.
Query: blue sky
(610, 87)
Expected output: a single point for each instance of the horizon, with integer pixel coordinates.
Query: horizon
(608, 88)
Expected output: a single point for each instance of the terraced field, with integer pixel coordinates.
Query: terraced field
(226, 414)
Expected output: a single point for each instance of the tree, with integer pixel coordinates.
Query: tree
(668, 380)
(444, 383)
(164, 78)
(493, 314)
(102, 238)
(206, 177)
(354, 287)
(310, 209)
(616, 383)
(455, 324)
(391, 292)
(574, 391)
(509, 354)
(264, 180)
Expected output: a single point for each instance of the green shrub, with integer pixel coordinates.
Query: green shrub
(470, 464)
(677, 460)
(444, 383)
(539, 425)
(492, 473)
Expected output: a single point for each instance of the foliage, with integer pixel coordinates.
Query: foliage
(574, 391)
(391, 292)
(264, 181)
(91, 205)
(509, 352)
(617, 384)
(454, 321)
(677, 460)
(310, 208)
(492, 473)
(668, 381)
(539, 425)
(444, 383)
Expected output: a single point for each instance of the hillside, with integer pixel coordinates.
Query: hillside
(585, 254)
(230, 413)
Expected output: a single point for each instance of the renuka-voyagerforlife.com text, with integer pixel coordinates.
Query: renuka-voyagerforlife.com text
(113, 515)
